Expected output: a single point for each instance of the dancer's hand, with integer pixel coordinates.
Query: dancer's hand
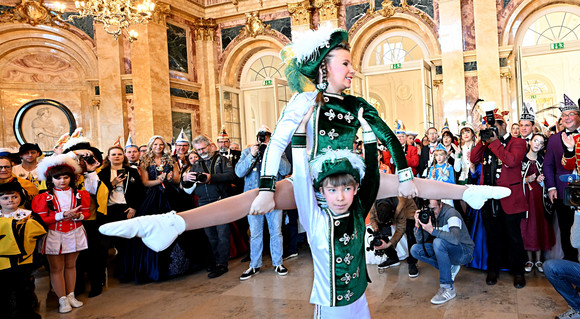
(408, 189)
(264, 203)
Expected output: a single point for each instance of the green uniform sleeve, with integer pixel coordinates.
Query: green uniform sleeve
(384, 134)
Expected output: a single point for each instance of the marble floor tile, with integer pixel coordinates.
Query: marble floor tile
(392, 294)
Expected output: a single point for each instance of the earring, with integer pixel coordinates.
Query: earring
(323, 85)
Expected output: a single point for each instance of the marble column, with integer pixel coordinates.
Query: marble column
(328, 12)
(450, 38)
(150, 67)
(109, 121)
(206, 59)
(487, 53)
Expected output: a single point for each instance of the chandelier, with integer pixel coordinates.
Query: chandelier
(116, 15)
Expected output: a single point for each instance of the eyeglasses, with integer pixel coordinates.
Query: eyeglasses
(570, 114)
(201, 149)
(5, 168)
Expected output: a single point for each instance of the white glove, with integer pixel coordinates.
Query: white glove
(157, 231)
(476, 195)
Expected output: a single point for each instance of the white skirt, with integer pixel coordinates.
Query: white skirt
(57, 243)
(358, 309)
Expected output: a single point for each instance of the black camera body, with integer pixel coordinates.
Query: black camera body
(200, 178)
(572, 194)
(383, 233)
(89, 159)
(426, 213)
(487, 134)
(262, 136)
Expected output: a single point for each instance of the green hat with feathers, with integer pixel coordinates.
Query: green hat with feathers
(336, 162)
(304, 55)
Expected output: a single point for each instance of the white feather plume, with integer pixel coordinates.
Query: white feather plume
(337, 155)
(56, 160)
(307, 44)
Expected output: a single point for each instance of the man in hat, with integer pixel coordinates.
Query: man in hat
(132, 153)
(527, 121)
(553, 169)
(223, 144)
(29, 154)
(181, 150)
(411, 152)
(502, 157)
(248, 168)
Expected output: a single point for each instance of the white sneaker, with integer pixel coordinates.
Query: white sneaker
(443, 295)
(476, 195)
(157, 231)
(64, 305)
(73, 301)
(569, 314)
(454, 270)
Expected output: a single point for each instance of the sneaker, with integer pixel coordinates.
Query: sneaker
(249, 273)
(454, 271)
(528, 266)
(290, 255)
(390, 262)
(218, 271)
(64, 305)
(540, 266)
(569, 314)
(73, 301)
(443, 295)
(281, 270)
(413, 270)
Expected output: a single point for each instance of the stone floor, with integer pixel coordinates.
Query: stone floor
(391, 295)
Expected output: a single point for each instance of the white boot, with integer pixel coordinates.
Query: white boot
(73, 301)
(64, 305)
(476, 195)
(157, 231)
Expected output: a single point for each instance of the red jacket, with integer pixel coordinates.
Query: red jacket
(511, 156)
(412, 158)
(573, 162)
(40, 206)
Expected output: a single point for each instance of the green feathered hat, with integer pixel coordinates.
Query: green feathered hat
(336, 162)
(304, 55)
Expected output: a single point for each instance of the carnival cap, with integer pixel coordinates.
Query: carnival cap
(117, 141)
(336, 162)
(223, 135)
(130, 142)
(28, 147)
(54, 161)
(399, 127)
(181, 138)
(568, 105)
(304, 55)
(466, 124)
(440, 147)
(445, 125)
(62, 139)
(527, 113)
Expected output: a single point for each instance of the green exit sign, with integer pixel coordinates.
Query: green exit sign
(395, 66)
(533, 97)
(556, 46)
(267, 82)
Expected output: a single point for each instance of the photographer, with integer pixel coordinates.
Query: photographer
(401, 211)
(248, 167)
(212, 176)
(501, 156)
(451, 247)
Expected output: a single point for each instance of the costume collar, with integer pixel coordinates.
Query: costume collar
(529, 137)
(61, 190)
(338, 96)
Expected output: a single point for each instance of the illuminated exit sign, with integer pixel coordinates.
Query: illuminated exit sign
(533, 97)
(557, 46)
(267, 82)
(395, 66)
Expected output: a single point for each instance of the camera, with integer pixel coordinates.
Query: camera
(572, 194)
(487, 134)
(426, 213)
(262, 136)
(89, 159)
(383, 233)
(200, 177)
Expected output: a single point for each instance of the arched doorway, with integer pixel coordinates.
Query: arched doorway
(397, 76)
(549, 42)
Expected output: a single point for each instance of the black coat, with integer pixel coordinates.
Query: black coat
(134, 188)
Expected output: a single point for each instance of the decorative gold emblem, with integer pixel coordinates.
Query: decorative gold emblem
(254, 26)
(33, 12)
(328, 9)
(388, 10)
(204, 29)
(301, 12)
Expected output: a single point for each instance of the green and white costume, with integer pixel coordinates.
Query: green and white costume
(336, 241)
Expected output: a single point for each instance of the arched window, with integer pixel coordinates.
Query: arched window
(266, 67)
(553, 27)
(395, 49)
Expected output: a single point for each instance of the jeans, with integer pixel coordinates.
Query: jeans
(256, 222)
(219, 238)
(291, 233)
(564, 275)
(565, 221)
(443, 256)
